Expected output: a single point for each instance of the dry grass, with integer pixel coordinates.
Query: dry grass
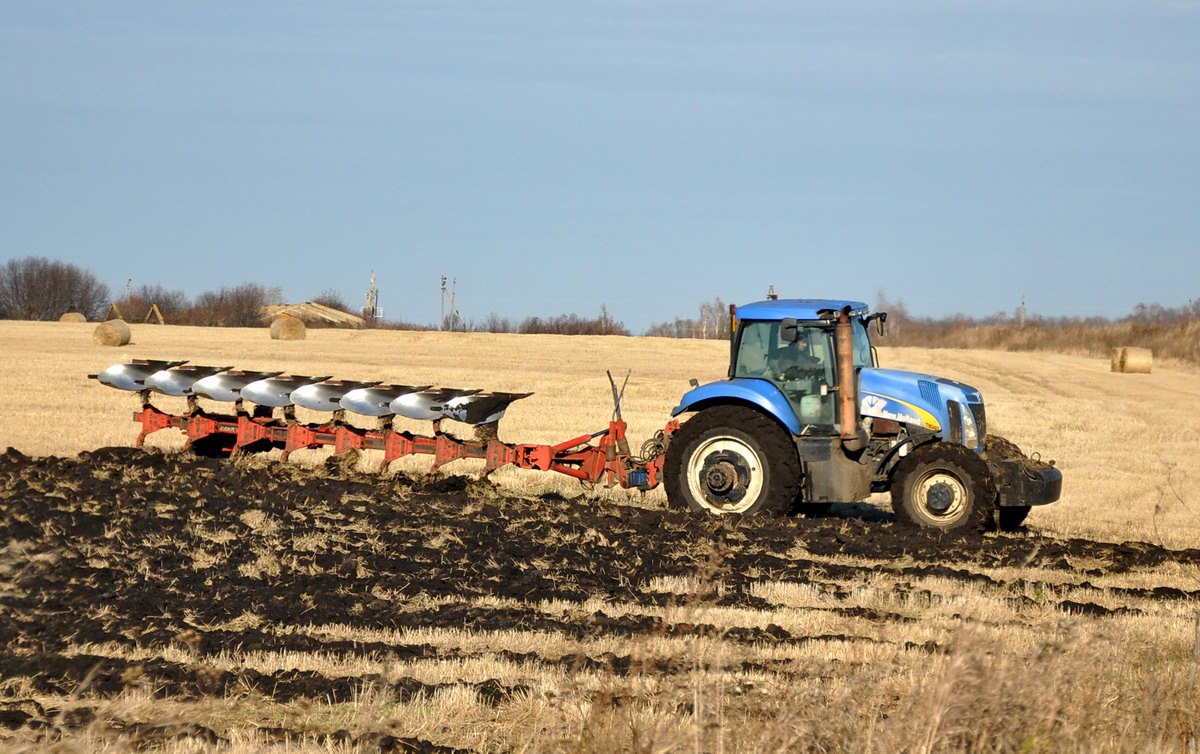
(1174, 339)
(887, 661)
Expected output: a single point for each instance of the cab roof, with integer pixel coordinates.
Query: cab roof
(798, 308)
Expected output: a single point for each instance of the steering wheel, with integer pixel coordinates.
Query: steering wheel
(798, 372)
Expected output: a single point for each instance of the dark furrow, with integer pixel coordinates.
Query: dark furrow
(87, 676)
(46, 725)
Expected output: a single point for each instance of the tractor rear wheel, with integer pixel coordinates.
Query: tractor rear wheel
(732, 459)
(943, 486)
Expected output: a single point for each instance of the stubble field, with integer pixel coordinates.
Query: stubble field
(155, 600)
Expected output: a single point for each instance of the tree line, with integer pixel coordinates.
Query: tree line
(35, 288)
(41, 289)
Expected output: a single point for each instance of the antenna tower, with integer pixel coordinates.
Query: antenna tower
(371, 312)
(442, 311)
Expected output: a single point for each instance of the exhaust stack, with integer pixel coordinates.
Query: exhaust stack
(853, 438)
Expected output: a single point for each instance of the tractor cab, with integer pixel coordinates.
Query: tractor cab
(792, 345)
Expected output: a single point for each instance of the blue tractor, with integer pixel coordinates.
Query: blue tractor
(808, 418)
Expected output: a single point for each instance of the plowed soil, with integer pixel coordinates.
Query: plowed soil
(135, 578)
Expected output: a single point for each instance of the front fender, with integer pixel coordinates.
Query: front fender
(760, 393)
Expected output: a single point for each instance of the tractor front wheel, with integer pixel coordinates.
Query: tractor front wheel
(943, 486)
(732, 459)
(1008, 518)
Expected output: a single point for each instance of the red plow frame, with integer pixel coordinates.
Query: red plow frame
(599, 458)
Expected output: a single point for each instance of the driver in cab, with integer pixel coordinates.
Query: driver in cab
(792, 362)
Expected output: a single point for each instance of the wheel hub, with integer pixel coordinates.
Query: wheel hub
(941, 495)
(725, 475)
(720, 477)
(939, 498)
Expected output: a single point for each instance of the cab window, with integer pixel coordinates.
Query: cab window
(862, 345)
(800, 368)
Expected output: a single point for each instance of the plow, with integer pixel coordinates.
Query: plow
(263, 417)
(806, 418)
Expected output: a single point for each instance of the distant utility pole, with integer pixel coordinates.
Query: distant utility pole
(442, 321)
(442, 312)
(372, 310)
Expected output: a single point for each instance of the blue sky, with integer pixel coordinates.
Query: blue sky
(645, 155)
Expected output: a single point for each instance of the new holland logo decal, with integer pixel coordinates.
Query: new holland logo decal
(897, 410)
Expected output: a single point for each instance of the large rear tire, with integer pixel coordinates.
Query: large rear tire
(943, 486)
(732, 460)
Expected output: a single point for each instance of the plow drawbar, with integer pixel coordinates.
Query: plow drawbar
(601, 457)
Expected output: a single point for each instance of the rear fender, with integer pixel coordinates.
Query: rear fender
(760, 394)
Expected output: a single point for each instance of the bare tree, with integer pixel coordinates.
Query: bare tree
(573, 324)
(136, 305)
(43, 289)
(239, 306)
(713, 323)
(333, 299)
(495, 323)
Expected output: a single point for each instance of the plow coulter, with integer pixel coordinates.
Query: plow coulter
(269, 421)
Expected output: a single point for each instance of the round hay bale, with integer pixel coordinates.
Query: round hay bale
(72, 317)
(1136, 360)
(1114, 358)
(112, 333)
(288, 328)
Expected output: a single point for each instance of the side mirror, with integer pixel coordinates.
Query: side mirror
(879, 318)
(789, 331)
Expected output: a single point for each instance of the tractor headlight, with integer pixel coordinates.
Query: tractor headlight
(970, 431)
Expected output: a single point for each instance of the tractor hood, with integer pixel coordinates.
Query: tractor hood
(923, 400)
(951, 409)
